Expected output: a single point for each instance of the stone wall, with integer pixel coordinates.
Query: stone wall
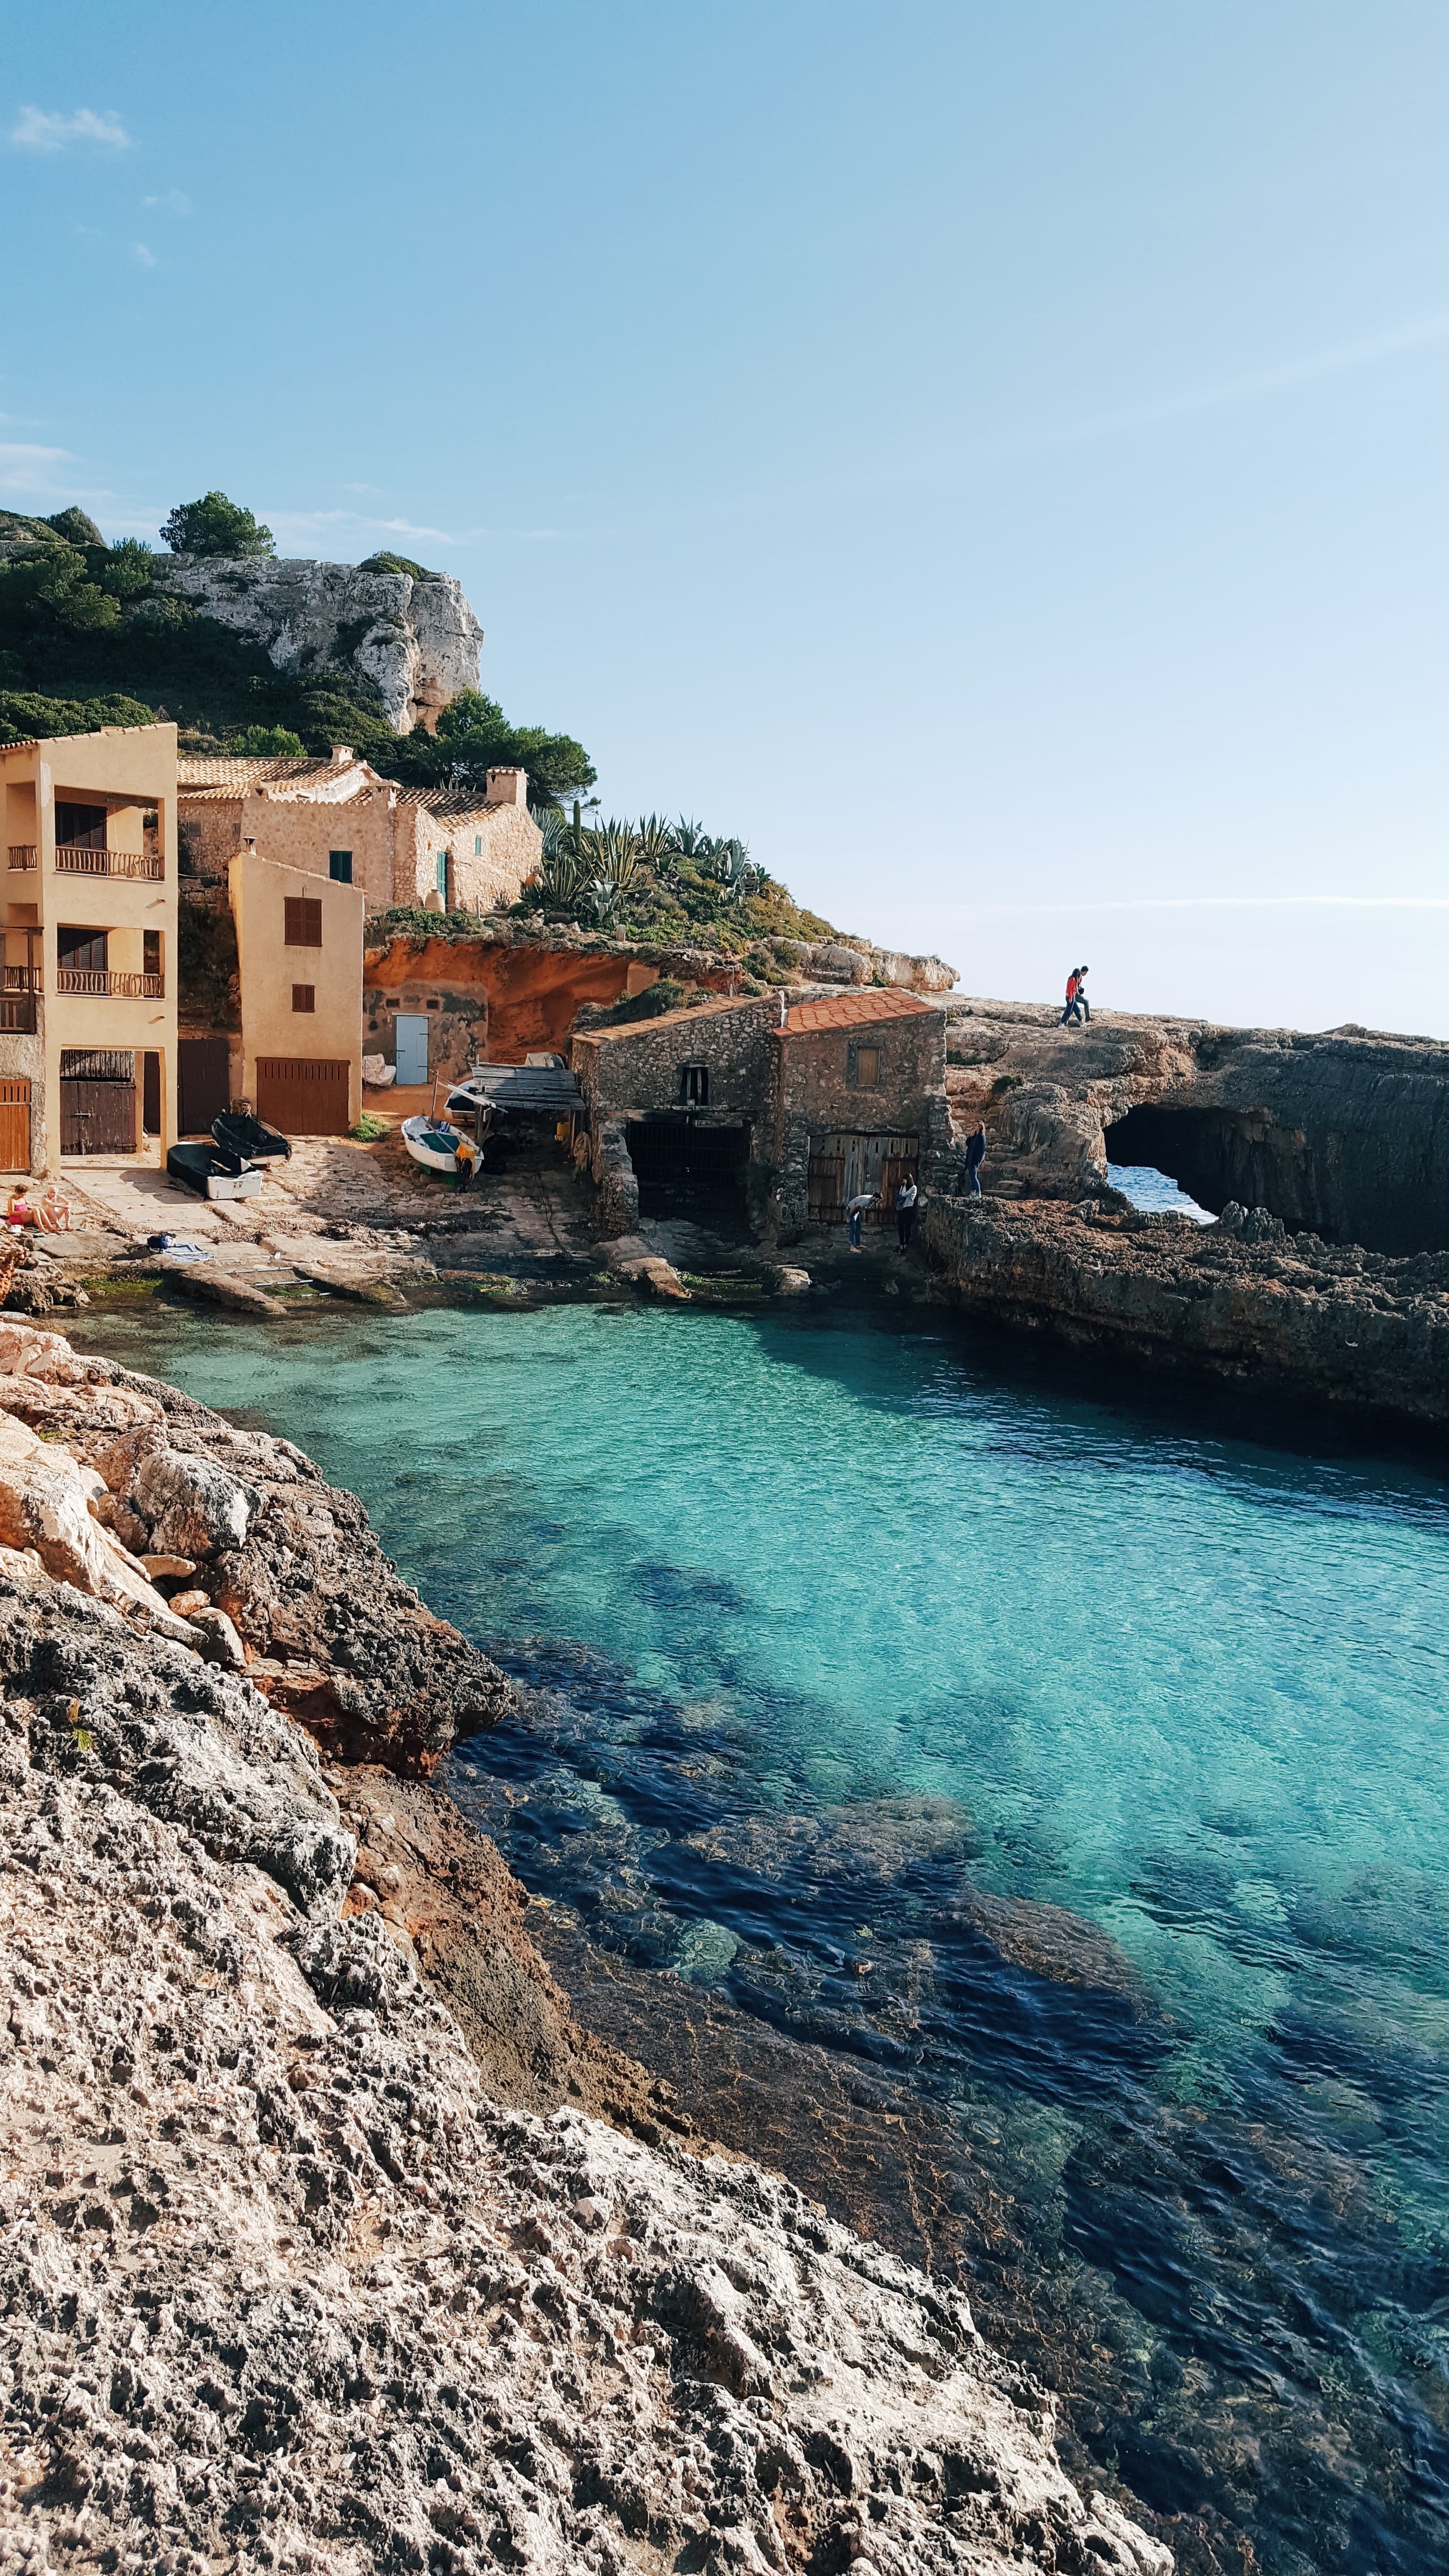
(482, 878)
(634, 1070)
(457, 1017)
(818, 1094)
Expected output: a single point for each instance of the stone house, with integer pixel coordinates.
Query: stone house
(764, 1115)
(339, 818)
(88, 1048)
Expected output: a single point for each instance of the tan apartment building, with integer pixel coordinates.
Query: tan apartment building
(88, 1006)
(299, 947)
(337, 818)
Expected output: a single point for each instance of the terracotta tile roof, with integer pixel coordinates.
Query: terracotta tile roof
(672, 1019)
(238, 769)
(853, 1011)
(447, 804)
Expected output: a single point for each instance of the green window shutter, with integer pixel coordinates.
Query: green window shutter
(443, 874)
(339, 866)
(477, 845)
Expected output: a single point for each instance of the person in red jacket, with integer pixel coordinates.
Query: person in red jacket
(1071, 1012)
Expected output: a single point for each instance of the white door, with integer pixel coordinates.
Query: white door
(412, 1047)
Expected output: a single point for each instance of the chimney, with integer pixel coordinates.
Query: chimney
(343, 755)
(507, 787)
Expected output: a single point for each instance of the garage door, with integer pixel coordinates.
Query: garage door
(203, 1083)
(14, 1126)
(304, 1095)
(97, 1100)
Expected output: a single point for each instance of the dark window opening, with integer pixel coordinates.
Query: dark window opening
(80, 827)
(150, 1094)
(83, 948)
(303, 926)
(339, 866)
(694, 1086)
(434, 1006)
(304, 997)
(150, 952)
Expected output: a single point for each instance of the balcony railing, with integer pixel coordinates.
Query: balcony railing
(72, 859)
(101, 979)
(24, 854)
(17, 1015)
(20, 979)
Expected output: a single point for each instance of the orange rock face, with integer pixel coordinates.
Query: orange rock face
(533, 995)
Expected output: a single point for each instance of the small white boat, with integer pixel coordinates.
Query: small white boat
(431, 1143)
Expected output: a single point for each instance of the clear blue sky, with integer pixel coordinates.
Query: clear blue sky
(990, 455)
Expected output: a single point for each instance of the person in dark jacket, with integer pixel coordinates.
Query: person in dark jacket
(906, 1197)
(1084, 1007)
(975, 1157)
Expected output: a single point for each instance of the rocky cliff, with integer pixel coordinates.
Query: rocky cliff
(314, 2255)
(1345, 1134)
(412, 636)
(1242, 1299)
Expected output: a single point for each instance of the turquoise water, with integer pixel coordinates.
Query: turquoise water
(833, 1624)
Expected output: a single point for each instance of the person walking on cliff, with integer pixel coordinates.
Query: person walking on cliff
(906, 1197)
(975, 1157)
(1073, 987)
(855, 1216)
(1084, 1007)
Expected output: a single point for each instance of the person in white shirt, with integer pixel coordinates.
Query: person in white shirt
(855, 1216)
(906, 1197)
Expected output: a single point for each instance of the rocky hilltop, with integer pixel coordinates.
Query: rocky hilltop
(317, 2252)
(412, 635)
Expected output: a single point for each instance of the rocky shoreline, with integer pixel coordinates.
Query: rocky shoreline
(1242, 1299)
(332, 2240)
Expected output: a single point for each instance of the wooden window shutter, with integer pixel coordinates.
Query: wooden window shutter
(303, 921)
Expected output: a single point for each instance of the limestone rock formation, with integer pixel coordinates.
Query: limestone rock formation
(1242, 1299)
(414, 638)
(1341, 1133)
(283, 2281)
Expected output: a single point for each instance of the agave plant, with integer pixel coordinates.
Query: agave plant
(687, 839)
(654, 841)
(615, 853)
(731, 867)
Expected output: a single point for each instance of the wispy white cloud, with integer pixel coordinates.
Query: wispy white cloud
(25, 469)
(143, 257)
(43, 129)
(173, 202)
(1315, 366)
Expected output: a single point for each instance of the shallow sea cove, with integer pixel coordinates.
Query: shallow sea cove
(1073, 1754)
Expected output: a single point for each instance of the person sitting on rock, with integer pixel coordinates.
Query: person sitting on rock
(53, 1214)
(975, 1157)
(18, 1210)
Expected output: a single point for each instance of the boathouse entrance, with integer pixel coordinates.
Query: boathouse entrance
(686, 1167)
(844, 1164)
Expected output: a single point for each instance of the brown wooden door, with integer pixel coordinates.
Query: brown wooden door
(303, 1095)
(14, 1126)
(203, 1084)
(98, 1117)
